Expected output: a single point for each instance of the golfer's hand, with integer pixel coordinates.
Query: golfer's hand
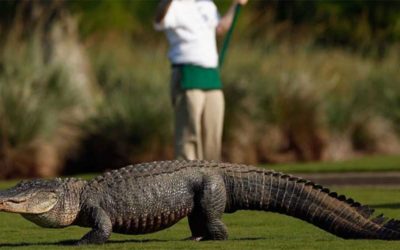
(241, 2)
(162, 9)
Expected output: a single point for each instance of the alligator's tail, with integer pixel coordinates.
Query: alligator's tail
(257, 189)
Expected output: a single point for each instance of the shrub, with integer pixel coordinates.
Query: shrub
(133, 120)
(37, 109)
(321, 104)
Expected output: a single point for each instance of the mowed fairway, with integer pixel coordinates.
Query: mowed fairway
(248, 230)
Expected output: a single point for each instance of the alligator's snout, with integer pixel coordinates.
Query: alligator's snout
(10, 201)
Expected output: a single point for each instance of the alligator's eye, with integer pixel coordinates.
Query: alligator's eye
(22, 183)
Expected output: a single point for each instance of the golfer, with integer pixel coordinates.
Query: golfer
(191, 27)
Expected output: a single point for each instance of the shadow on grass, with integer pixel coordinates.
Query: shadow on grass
(387, 205)
(73, 242)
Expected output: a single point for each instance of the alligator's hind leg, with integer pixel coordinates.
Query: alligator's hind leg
(205, 220)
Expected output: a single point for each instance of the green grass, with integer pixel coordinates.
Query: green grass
(366, 164)
(248, 230)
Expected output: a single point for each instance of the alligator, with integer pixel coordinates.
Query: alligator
(149, 197)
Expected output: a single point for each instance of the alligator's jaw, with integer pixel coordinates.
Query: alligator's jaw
(47, 203)
(31, 203)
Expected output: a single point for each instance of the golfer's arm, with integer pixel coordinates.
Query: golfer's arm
(162, 10)
(226, 21)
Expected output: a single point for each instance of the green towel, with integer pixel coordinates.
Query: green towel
(197, 77)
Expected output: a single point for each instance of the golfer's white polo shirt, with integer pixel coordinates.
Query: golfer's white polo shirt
(190, 27)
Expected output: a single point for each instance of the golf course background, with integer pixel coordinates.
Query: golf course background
(310, 87)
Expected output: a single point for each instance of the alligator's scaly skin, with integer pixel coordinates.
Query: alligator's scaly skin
(149, 197)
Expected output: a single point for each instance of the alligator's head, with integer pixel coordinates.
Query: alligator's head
(48, 203)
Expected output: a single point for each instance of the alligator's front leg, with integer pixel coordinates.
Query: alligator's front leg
(101, 229)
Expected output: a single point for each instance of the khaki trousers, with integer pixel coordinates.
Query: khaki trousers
(199, 116)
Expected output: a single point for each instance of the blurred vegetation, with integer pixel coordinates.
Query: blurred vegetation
(309, 104)
(364, 26)
(360, 25)
(36, 107)
(134, 118)
(85, 84)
